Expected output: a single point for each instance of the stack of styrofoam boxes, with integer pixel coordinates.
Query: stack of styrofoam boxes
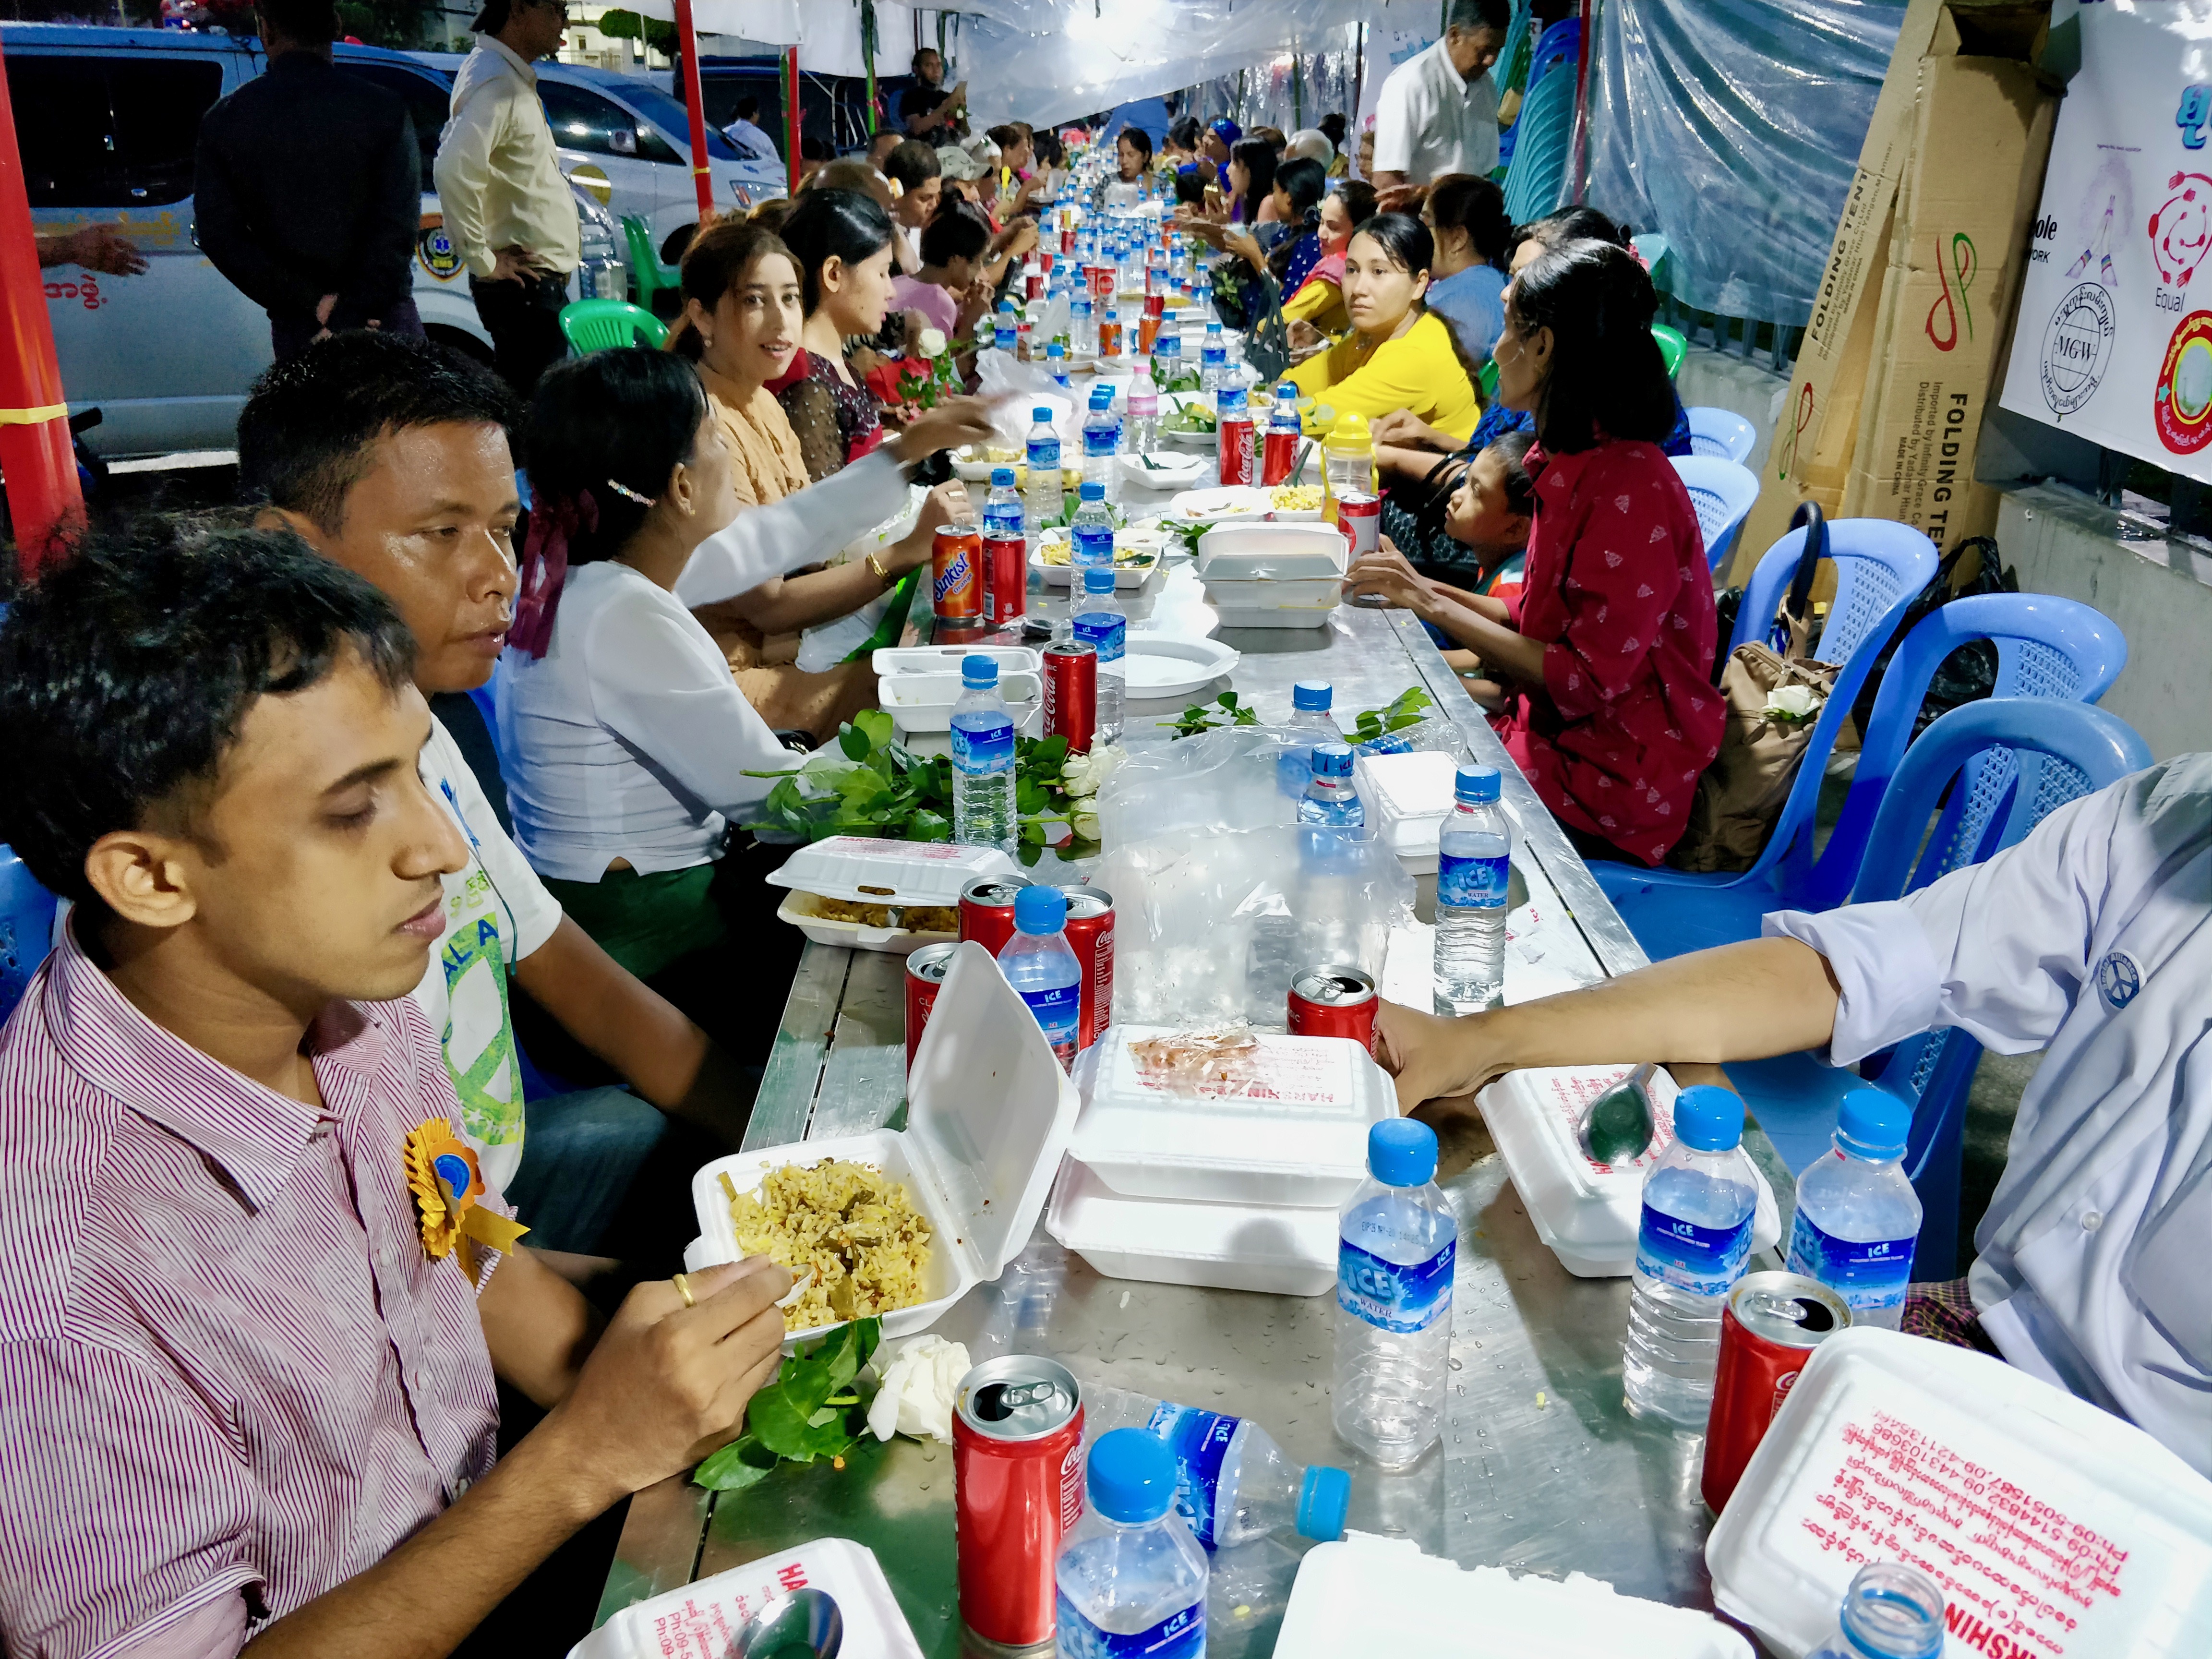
(1234, 1181)
(1272, 575)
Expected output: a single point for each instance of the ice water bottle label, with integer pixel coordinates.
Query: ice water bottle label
(1200, 1443)
(1100, 441)
(1392, 1298)
(1057, 1008)
(1703, 1261)
(1181, 1635)
(1093, 546)
(1043, 453)
(1870, 1274)
(978, 749)
(1471, 884)
(1104, 632)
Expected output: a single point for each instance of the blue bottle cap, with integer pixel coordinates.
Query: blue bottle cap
(1132, 1474)
(1094, 491)
(1102, 396)
(1332, 760)
(1002, 478)
(1873, 1123)
(1402, 1152)
(1476, 785)
(1323, 1501)
(1708, 1118)
(1311, 694)
(1287, 394)
(1054, 349)
(979, 670)
(1213, 328)
(1041, 414)
(1098, 579)
(1040, 909)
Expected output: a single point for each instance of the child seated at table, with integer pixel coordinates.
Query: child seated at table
(260, 1294)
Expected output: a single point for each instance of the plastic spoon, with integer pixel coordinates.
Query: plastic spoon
(804, 1625)
(1616, 1128)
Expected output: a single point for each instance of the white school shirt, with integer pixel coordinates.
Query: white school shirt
(802, 528)
(2094, 935)
(497, 912)
(629, 738)
(1431, 120)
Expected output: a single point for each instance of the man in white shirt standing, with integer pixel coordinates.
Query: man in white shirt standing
(1437, 113)
(508, 209)
(2092, 937)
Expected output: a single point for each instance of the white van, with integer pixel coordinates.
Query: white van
(108, 121)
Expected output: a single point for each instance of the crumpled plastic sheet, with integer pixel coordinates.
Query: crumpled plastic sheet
(1733, 128)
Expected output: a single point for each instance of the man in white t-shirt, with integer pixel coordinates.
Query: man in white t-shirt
(745, 135)
(1437, 113)
(391, 456)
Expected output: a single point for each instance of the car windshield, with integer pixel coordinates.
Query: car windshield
(667, 114)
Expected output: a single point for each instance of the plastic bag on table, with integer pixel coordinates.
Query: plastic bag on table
(1000, 372)
(1212, 927)
(1239, 777)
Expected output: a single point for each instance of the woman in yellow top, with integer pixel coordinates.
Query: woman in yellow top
(741, 325)
(1398, 355)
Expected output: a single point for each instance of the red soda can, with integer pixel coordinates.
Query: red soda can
(1067, 239)
(1005, 578)
(956, 575)
(1034, 283)
(1359, 515)
(1277, 450)
(1235, 439)
(1770, 1326)
(924, 977)
(987, 911)
(1336, 1001)
(1016, 1489)
(1102, 279)
(1071, 693)
(1044, 258)
(1090, 932)
(1155, 296)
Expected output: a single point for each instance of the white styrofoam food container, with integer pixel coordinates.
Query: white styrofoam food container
(989, 1113)
(1274, 615)
(1365, 1594)
(1279, 1249)
(1409, 796)
(1586, 1212)
(1296, 1134)
(704, 1619)
(2051, 1523)
(924, 702)
(1273, 593)
(870, 870)
(802, 911)
(1280, 552)
(947, 658)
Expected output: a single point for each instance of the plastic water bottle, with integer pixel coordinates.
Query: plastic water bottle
(1003, 506)
(1330, 800)
(1201, 299)
(1102, 441)
(983, 760)
(1055, 363)
(1890, 1612)
(1143, 436)
(1040, 965)
(1857, 1215)
(1009, 326)
(1091, 533)
(1101, 623)
(1167, 353)
(1698, 1199)
(1045, 501)
(1396, 1243)
(1232, 1482)
(1474, 849)
(1082, 326)
(1310, 723)
(1131, 1579)
(1212, 361)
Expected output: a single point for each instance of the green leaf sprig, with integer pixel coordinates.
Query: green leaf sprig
(1404, 710)
(814, 1409)
(1227, 710)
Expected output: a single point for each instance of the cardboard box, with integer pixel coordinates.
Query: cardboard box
(1872, 426)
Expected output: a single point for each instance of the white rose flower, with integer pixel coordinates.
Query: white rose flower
(931, 343)
(1085, 825)
(1077, 775)
(917, 1397)
(1795, 703)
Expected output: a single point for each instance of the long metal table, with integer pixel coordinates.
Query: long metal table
(1541, 1468)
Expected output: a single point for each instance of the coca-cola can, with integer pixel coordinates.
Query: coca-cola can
(1005, 578)
(987, 911)
(1090, 931)
(1016, 1489)
(924, 977)
(1102, 279)
(1155, 299)
(1071, 693)
(1359, 515)
(1235, 437)
(1067, 239)
(1034, 283)
(1770, 1325)
(956, 575)
(1336, 1000)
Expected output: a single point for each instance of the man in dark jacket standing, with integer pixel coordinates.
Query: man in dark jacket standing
(308, 188)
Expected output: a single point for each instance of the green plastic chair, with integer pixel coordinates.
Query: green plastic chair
(1672, 348)
(653, 277)
(591, 325)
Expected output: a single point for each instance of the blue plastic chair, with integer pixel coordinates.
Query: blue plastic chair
(26, 928)
(2053, 752)
(1722, 492)
(1546, 125)
(1721, 432)
(1562, 43)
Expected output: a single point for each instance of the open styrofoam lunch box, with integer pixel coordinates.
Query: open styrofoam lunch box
(2050, 1522)
(1273, 552)
(946, 658)
(900, 875)
(989, 1113)
(1289, 1127)
(1587, 1212)
(1276, 1250)
(707, 1617)
(924, 702)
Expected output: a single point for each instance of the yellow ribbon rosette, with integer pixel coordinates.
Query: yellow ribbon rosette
(443, 1175)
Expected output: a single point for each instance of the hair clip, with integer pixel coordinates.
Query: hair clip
(629, 495)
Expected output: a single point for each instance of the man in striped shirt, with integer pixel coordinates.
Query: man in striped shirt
(247, 1371)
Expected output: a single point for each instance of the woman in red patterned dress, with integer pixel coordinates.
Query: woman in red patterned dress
(1606, 654)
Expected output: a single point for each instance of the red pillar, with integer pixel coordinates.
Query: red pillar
(695, 104)
(791, 160)
(43, 496)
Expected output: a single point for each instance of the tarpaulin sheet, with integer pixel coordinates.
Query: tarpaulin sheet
(1733, 127)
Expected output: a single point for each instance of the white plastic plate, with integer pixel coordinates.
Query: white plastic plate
(1278, 1251)
(1166, 472)
(1222, 502)
(1156, 666)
